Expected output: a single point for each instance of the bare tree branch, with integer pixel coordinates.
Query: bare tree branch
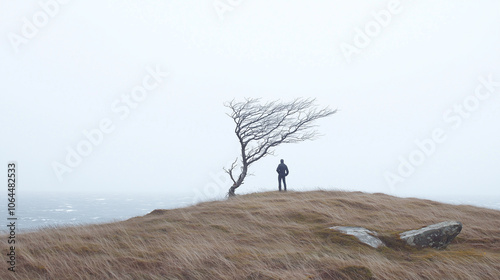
(230, 170)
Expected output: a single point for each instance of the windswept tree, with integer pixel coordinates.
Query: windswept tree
(261, 127)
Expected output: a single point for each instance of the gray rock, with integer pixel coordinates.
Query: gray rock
(364, 235)
(436, 236)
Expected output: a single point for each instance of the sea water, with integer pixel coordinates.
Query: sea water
(38, 210)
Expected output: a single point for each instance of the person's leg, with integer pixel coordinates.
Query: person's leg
(284, 183)
(279, 183)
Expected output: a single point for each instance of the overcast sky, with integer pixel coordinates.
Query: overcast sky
(414, 82)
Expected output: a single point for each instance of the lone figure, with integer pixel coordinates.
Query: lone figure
(282, 173)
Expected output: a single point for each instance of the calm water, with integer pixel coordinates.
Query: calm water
(41, 210)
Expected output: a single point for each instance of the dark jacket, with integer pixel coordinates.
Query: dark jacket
(282, 169)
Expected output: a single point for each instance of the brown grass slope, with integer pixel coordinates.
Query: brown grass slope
(266, 236)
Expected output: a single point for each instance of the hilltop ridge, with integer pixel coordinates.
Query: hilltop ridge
(267, 235)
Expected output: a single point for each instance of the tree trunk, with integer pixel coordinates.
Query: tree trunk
(238, 182)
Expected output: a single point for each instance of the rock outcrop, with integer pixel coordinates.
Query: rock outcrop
(364, 235)
(436, 236)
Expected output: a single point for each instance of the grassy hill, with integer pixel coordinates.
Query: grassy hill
(267, 236)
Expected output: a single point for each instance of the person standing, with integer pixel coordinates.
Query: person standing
(282, 173)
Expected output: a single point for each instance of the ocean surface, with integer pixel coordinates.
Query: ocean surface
(36, 211)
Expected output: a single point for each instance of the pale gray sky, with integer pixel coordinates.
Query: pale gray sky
(66, 65)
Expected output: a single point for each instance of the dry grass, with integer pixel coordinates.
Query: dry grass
(267, 236)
